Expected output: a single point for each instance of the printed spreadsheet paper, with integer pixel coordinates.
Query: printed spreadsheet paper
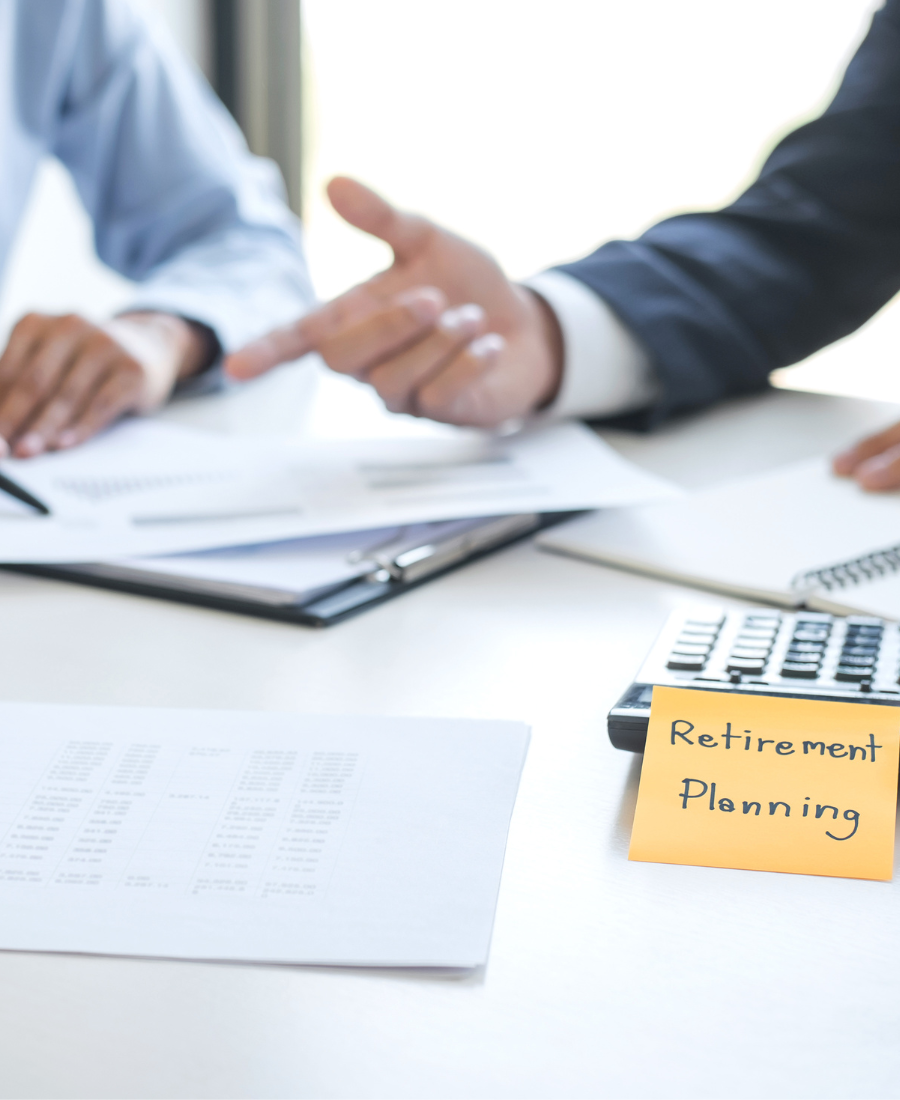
(253, 836)
(769, 784)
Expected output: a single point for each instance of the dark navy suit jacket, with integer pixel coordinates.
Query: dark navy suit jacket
(807, 254)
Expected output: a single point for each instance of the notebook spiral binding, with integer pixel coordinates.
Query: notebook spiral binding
(869, 567)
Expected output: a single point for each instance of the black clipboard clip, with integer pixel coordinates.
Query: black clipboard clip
(413, 566)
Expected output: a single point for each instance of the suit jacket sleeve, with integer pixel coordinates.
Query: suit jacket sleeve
(807, 254)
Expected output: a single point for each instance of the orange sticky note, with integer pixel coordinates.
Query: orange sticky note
(768, 784)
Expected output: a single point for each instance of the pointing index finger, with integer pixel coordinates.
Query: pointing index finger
(331, 322)
(279, 346)
(282, 345)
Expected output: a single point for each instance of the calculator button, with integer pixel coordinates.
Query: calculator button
(690, 651)
(745, 665)
(686, 664)
(852, 675)
(757, 656)
(859, 651)
(810, 636)
(857, 662)
(796, 671)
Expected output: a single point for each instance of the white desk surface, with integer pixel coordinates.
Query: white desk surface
(606, 978)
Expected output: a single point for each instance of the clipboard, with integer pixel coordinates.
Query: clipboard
(390, 577)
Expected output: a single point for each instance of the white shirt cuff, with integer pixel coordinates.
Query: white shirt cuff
(605, 369)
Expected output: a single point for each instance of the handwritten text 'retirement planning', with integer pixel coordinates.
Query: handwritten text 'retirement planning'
(768, 783)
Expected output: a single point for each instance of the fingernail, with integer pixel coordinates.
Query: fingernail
(488, 345)
(66, 439)
(4, 448)
(424, 303)
(30, 445)
(463, 319)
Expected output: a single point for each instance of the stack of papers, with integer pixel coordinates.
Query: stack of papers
(151, 488)
(259, 837)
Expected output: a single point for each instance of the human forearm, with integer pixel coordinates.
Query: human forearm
(179, 205)
(808, 253)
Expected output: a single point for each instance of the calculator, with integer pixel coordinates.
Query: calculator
(761, 650)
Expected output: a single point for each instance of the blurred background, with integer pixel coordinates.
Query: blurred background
(537, 129)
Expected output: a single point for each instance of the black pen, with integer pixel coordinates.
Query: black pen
(7, 485)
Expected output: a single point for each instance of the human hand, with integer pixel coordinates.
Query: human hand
(495, 354)
(874, 462)
(62, 379)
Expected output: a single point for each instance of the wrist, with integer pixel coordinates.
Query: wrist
(549, 342)
(165, 346)
(187, 346)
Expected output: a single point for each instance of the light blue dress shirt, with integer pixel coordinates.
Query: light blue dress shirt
(177, 201)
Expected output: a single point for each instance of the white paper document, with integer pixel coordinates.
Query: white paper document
(147, 487)
(253, 836)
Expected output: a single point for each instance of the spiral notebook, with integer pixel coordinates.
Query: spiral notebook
(796, 537)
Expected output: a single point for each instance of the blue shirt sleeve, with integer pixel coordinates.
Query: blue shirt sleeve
(177, 201)
(805, 256)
